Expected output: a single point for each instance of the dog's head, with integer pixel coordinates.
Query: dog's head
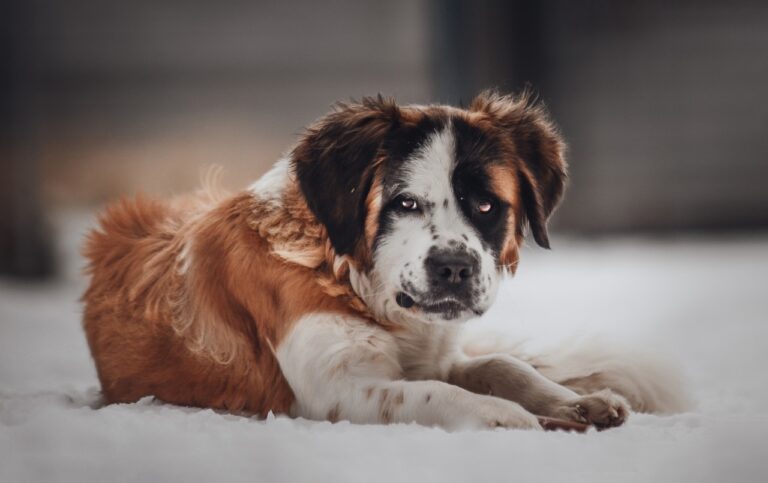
(430, 203)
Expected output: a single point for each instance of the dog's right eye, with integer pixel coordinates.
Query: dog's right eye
(409, 204)
(406, 204)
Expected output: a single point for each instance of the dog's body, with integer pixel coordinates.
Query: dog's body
(335, 287)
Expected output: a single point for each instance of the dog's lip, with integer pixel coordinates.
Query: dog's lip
(442, 305)
(446, 304)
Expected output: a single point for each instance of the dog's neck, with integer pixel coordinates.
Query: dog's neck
(281, 217)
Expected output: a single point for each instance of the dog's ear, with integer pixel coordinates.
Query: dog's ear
(540, 151)
(335, 163)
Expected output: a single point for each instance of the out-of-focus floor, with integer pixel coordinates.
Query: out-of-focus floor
(701, 303)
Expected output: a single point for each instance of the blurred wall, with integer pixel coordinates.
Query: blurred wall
(663, 103)
(143, 95)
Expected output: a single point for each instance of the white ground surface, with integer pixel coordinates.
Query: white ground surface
(701, 303)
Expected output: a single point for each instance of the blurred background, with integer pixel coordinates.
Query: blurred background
(663, 103)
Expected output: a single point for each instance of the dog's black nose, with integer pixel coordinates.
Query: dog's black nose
(450, 269)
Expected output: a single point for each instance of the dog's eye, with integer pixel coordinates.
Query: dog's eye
(484, 206)
(409, 204)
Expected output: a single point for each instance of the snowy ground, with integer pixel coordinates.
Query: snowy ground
(701, 303)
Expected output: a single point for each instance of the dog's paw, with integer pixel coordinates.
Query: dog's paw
(603, 409)
(491, 412)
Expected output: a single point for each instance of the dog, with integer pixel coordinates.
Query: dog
(336, 286)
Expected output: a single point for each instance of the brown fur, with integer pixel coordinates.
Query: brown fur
(538, 156)
(204, 337)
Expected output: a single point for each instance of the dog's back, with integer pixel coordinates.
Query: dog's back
(135, 311)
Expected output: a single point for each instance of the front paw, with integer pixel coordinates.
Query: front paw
(490, 412)
(603, 409)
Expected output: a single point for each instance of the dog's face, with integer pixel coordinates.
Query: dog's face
(430, 203)
(441, 227)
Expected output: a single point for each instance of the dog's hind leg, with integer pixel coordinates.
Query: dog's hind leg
(648, 382)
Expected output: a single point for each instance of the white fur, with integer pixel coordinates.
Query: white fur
(340, 367)
(184, 258)
(649, 383)
(272, 183)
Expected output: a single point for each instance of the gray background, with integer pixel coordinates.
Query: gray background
(663, 104)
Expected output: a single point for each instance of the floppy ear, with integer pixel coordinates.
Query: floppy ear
(335, 164)
(540, 151)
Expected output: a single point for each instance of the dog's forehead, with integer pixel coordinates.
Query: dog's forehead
(428, 171)
(428, 154)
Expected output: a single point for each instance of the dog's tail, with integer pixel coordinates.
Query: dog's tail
(648, 382)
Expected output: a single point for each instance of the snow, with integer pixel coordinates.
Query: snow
(699, 303)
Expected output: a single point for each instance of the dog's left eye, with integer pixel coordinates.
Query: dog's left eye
(484, 206)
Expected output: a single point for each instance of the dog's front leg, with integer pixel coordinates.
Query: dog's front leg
(510, 378)
(342, 368)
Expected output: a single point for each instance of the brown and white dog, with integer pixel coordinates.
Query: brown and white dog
(335, 287)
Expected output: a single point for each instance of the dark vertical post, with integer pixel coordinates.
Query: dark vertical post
(25, 246)
(487, 43)
(447, 50)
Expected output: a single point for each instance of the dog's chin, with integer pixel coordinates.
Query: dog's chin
(446, 309)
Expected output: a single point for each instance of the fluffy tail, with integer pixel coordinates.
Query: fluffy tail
(649, 383)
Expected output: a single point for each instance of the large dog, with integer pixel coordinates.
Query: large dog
(336, 286)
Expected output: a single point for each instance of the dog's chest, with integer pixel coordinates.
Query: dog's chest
(427, 351)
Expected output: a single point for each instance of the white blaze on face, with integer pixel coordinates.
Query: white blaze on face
(399, 258)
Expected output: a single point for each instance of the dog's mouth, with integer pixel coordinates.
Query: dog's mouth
(448, 307)
(445, 306)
